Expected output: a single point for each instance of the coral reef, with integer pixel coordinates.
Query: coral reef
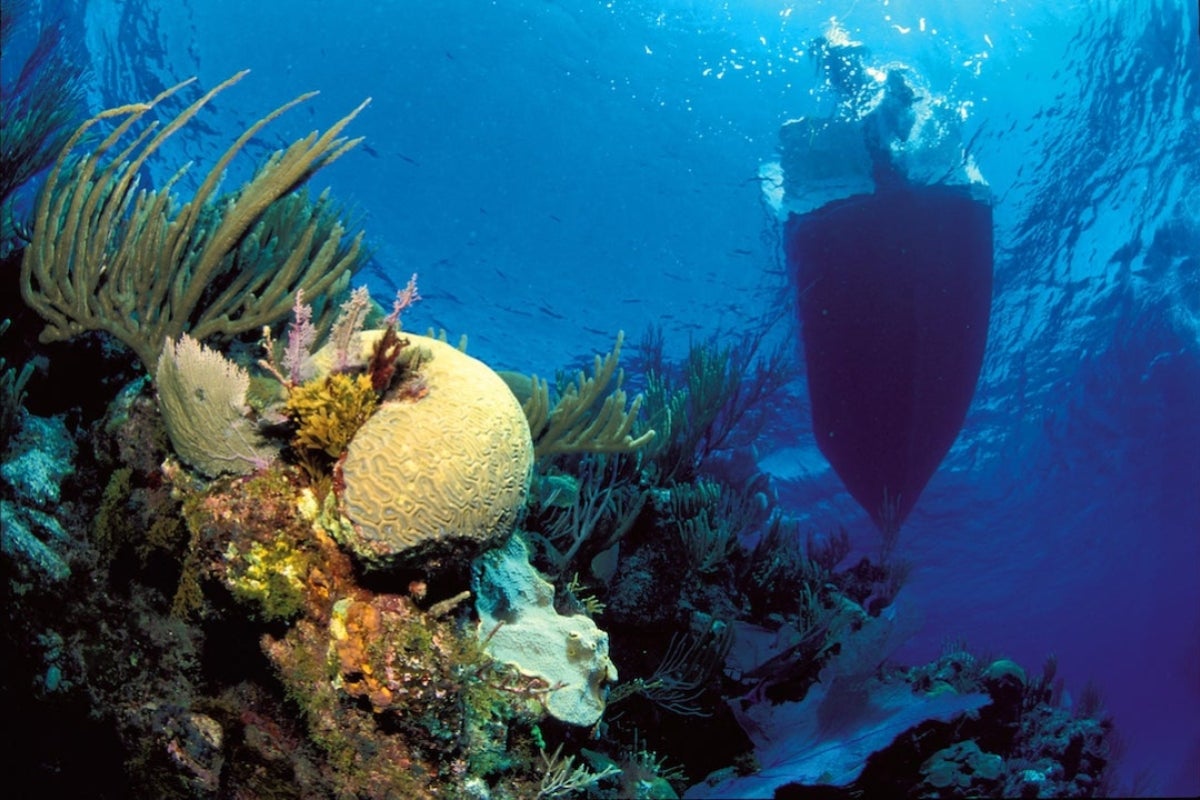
(714, 401)
(389, 691)
(233, 645)
(382, 575)
(581, 517)
(962, 769)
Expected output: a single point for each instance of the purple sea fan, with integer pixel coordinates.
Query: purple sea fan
(346, 327)
(301, 335)
(404, 298)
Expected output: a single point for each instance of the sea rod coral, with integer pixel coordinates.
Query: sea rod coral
(106, 256)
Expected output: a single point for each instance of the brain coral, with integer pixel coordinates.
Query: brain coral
(450, 469)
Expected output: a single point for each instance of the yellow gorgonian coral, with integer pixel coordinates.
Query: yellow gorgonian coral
(329, 411)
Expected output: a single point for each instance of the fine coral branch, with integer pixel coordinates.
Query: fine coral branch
(574, 424)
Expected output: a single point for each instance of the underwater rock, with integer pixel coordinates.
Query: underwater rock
(519, 626)
(39, 458)
(446, 469)
(962, 770)
(20, 541)
(397, 659)
(132, 432)
(197, 748)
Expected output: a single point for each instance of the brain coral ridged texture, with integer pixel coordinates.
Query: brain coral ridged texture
(449, 468)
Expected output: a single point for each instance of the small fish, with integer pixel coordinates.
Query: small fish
(381, 274)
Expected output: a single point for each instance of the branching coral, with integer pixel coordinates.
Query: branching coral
(36, 110)
(604, 508)
(709, 518)
(685, 672)
(574, 424)
(12, 393)
(564, 777)
(779, 576)
(707, 406)
(106, 256)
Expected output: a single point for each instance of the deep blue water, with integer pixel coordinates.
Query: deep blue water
(556, 171)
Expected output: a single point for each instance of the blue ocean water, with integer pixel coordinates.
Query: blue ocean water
(556, 171)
